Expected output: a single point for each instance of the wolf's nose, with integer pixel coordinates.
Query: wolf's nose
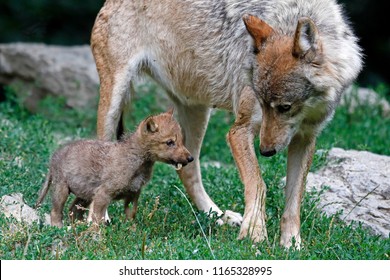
(190, 159)
(268, 153)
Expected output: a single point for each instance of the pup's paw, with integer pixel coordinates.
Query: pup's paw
(231, 218)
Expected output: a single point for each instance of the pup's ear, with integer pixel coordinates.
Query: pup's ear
(150, 125)
(307, 44)
(257, 28)
(170, 111)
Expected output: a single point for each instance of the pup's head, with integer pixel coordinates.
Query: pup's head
(163, 140)
(297, 83)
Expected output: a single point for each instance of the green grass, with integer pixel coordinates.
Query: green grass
(165, 227)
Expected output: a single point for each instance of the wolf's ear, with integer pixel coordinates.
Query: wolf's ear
(257, 28)
(150, 126)
(307, 43)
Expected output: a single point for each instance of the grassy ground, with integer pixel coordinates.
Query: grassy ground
(165, 227)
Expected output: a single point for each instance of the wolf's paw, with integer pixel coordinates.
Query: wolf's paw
(255, 230)
(107, 218)
(288, 241)
(290, 231)
(290, 237)
(232, 218)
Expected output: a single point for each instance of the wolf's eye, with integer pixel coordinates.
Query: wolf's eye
(170, 143)
(284, 108)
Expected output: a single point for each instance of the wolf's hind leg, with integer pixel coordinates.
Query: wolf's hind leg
(118, 61)
(115, 94)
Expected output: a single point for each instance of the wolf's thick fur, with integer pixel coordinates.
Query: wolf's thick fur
(279, 65)
(98, 172)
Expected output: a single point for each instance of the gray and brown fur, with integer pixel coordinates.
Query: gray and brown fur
(97, 171)
(279, 65)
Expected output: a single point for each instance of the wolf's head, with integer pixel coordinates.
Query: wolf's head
(298, 82)
(163, 140)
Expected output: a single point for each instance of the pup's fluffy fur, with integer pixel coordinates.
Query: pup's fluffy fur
(98, 172)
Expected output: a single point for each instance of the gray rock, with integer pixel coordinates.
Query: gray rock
(13, 206)
(38, 70)
(359, 186)
(354, 97)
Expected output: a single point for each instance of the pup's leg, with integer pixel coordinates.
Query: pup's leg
(193, 120)
(300, 155)
(59, 195)
(130, 214)
(91, 214)
(241, 137)
(99, 205)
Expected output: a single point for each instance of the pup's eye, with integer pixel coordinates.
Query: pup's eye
(283, 108)
(170, 143)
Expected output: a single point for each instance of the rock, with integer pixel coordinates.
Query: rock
(359, 186)
(354, 97)
(13, 206)
(38, 70)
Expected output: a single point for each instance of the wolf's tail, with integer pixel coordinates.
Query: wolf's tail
(44, 190)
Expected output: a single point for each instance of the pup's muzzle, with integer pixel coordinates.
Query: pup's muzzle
(179, 164)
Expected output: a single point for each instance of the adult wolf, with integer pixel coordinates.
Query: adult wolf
(279, 65)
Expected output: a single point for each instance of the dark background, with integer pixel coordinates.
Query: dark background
(69, 22)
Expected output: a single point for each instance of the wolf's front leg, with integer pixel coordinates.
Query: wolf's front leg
(300, 155)
(193, 120)
(241, 137)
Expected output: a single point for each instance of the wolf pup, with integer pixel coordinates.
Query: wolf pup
(98, 172)
(279, 65)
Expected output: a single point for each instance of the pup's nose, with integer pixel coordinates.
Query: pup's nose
(190, 159)
(268, 153)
